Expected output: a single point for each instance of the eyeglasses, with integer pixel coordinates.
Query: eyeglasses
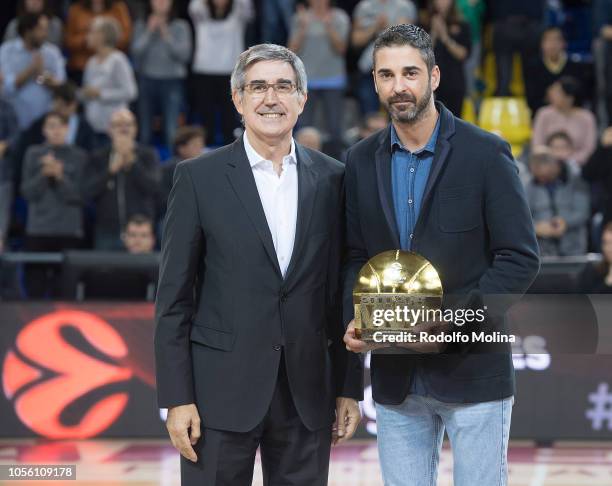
(260, 89)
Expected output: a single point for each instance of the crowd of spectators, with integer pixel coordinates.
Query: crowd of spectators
(100, 99)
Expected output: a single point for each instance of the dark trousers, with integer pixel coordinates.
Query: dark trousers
(291, 455)
(214, 101)
(41, 279)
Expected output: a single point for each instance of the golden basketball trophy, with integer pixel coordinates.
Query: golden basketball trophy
(392, 294)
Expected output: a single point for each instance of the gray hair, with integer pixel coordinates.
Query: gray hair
(268, 52)
(110, 28)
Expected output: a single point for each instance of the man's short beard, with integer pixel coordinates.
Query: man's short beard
(411, 115)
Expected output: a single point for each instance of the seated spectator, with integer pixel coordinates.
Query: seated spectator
(81, 14)
(51, 183)
(79, 132)
(319, 35)
(552, 64)
(122, 180)
(108, 80)
(188, 144)
(559, 203)
(161, 48)
(309, 137)
(371, 17)
(31, 67)
(562, 149)
(564, 114)
(139, 235)
(450, 36)
(597, 279)
(219, 33)
(36, 7)
(598, 170)
(8, 133)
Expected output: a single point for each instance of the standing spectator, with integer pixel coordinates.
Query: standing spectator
(8, 132)
(81, 14)
(36, 7)
(597, 279)
(552, 64)
(79, 132)
(219, 29)
(563, 114)
(516, 28)
(161, 48)
(319, 35)
(276, 20)
(188, 144)
(52, 175)
(598, 170)
(31, 66)
(451, 40)
(108, 80)
(472, 11)
(122, 180)
(371, 17)
(560, 207)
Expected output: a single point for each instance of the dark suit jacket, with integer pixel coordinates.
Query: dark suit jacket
(224, 311)
(474, 226)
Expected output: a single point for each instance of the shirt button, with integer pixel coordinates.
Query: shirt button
(411, 235)
(409, 201)
(411, 169)
(277, 347)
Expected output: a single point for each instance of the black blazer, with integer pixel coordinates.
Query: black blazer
(474, 226)
(224, 311)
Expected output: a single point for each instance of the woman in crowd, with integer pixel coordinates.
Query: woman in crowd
(565, 114)
(597, 279)
(452, 43)
(219, 30)
(161, 48)
(319, 35)
(108, 80)
(36, 6)
(78, 22)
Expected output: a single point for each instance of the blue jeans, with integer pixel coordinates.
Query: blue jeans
(163, 96)
(410, 439)
(276, 20)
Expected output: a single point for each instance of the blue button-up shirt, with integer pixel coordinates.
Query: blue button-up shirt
(409, 173)
(32, 100)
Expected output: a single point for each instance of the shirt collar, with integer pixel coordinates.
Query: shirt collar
(429, 146)
(255, 158)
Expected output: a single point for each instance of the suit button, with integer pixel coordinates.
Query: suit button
(277, 347)
(283, 297)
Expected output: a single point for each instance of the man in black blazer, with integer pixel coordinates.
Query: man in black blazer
(248, 342)
(436, 185)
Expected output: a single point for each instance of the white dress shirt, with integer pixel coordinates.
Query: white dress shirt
(279, 198)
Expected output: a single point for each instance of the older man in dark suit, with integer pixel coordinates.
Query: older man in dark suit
(249, 332)
(436, 185)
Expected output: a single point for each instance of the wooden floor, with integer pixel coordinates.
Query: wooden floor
(155, 463)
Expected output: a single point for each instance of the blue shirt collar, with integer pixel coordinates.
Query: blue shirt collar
(429, 146)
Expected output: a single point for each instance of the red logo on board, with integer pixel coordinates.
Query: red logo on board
(54, 374)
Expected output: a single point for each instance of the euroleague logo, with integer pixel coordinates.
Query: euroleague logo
(45, 376)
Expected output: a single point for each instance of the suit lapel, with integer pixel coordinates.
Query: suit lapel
(383, 176)
(241, 178)
(307, 192)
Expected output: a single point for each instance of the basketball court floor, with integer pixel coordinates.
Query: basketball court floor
(155, 463)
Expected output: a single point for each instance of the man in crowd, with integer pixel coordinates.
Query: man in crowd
(31, 66)
(122, 180)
